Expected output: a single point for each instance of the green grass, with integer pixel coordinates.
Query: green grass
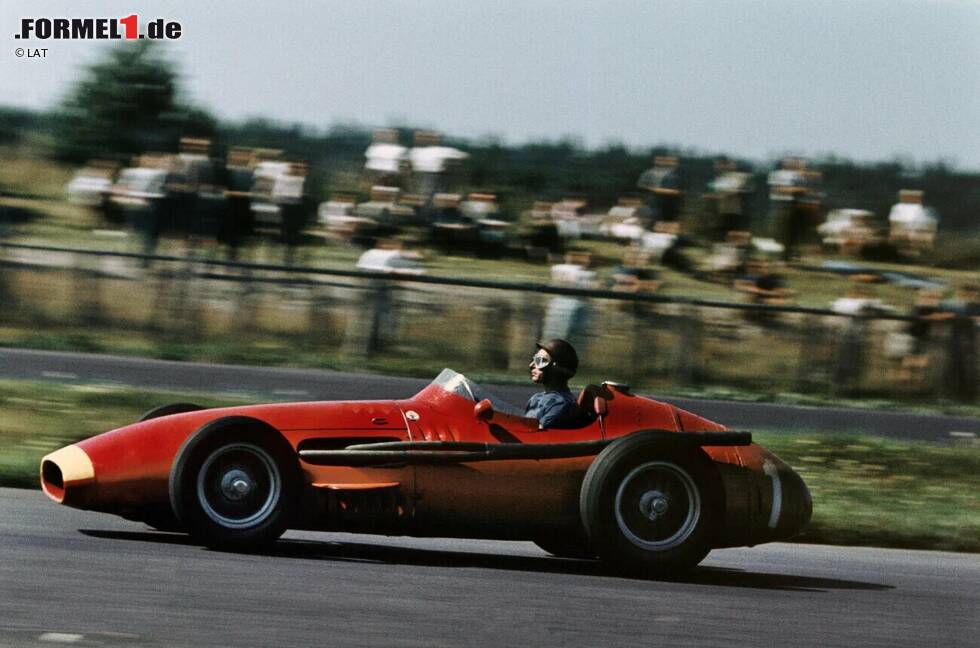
(24, 171)
(38, 418)
(866, 491)
(886, 493)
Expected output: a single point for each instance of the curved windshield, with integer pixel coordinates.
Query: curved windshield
(457, 383)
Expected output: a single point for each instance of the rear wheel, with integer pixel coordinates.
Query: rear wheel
(649, 506)
(571, 544)
(234, 484)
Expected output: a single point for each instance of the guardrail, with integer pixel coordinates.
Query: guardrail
(519, 286)
(483, 325)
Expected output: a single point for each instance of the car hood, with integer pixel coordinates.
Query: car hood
(341, 415)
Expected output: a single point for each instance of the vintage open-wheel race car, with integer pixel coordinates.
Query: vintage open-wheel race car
(644, 486)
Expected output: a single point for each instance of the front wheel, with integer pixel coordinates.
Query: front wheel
(648, 506)
(167, 410)
(234, 484)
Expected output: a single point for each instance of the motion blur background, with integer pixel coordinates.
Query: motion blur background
(753, 199)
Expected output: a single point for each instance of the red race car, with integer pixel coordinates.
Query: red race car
(640, 484)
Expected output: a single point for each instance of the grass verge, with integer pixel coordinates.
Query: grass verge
(866, 491)
(886, 493)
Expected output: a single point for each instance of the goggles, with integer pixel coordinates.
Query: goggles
(540, 360)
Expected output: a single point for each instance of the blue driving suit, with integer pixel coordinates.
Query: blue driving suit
(553, 409)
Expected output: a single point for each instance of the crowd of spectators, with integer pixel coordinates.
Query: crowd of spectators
(415, 197)
(416, 190)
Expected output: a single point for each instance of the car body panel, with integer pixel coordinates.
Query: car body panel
(762, 498)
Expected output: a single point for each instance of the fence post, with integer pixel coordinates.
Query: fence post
(811, 367)
(7, 297)
(245, 305)
(491, 348)
(849, 357)
(87, 289)
(186, 317)
(688, 361)
(642, 342)
(959, 367)
(317, 317)
(374, 320)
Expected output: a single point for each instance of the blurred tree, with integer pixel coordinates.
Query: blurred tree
(125, 104)
(14, 122)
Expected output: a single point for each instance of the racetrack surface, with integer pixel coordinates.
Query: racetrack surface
(80, 578)
(277, 384)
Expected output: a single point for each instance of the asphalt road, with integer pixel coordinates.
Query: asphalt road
(88, 579)
(298, 384)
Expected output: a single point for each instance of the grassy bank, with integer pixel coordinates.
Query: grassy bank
(36, 418)
(873, 491)
(866, 491)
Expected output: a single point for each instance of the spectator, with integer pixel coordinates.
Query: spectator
(191, 177)
(386, 159)
(432, 163)
(961, 368)
(851, 346)
(762, 286)
(910, 348)
(449, 227)
(237, 221)
(634, 275)
(289, 194)
(662, 194)
(729, 199)
(910, 223)
(859, 299)
(794, 197)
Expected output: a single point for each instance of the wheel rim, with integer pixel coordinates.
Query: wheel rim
(239, 485)
(657, 506)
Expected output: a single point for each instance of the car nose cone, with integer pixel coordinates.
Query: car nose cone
(65, 469)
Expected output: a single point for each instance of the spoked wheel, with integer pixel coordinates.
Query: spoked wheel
(649, 507)
(234, 484)
(239, 485)
(657, 506)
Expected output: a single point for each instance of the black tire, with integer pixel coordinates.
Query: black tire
(167, 410)
(649, 506)
(163, 519)
(573, 544)
(235, 483)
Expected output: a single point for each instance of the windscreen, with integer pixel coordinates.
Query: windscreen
(457, 383)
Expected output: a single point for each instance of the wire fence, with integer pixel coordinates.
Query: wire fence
(418, 323)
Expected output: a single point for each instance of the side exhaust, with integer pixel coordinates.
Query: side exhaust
(63, 470)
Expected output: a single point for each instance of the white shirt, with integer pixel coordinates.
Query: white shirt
(384, 157)
(432, 159)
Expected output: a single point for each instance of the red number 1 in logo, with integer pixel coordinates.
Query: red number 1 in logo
(130, 22)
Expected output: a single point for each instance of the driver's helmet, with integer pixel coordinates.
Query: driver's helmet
(563, 356)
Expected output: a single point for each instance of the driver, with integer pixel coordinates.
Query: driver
(554, 363)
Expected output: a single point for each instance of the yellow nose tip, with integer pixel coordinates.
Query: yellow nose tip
(65, 467)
